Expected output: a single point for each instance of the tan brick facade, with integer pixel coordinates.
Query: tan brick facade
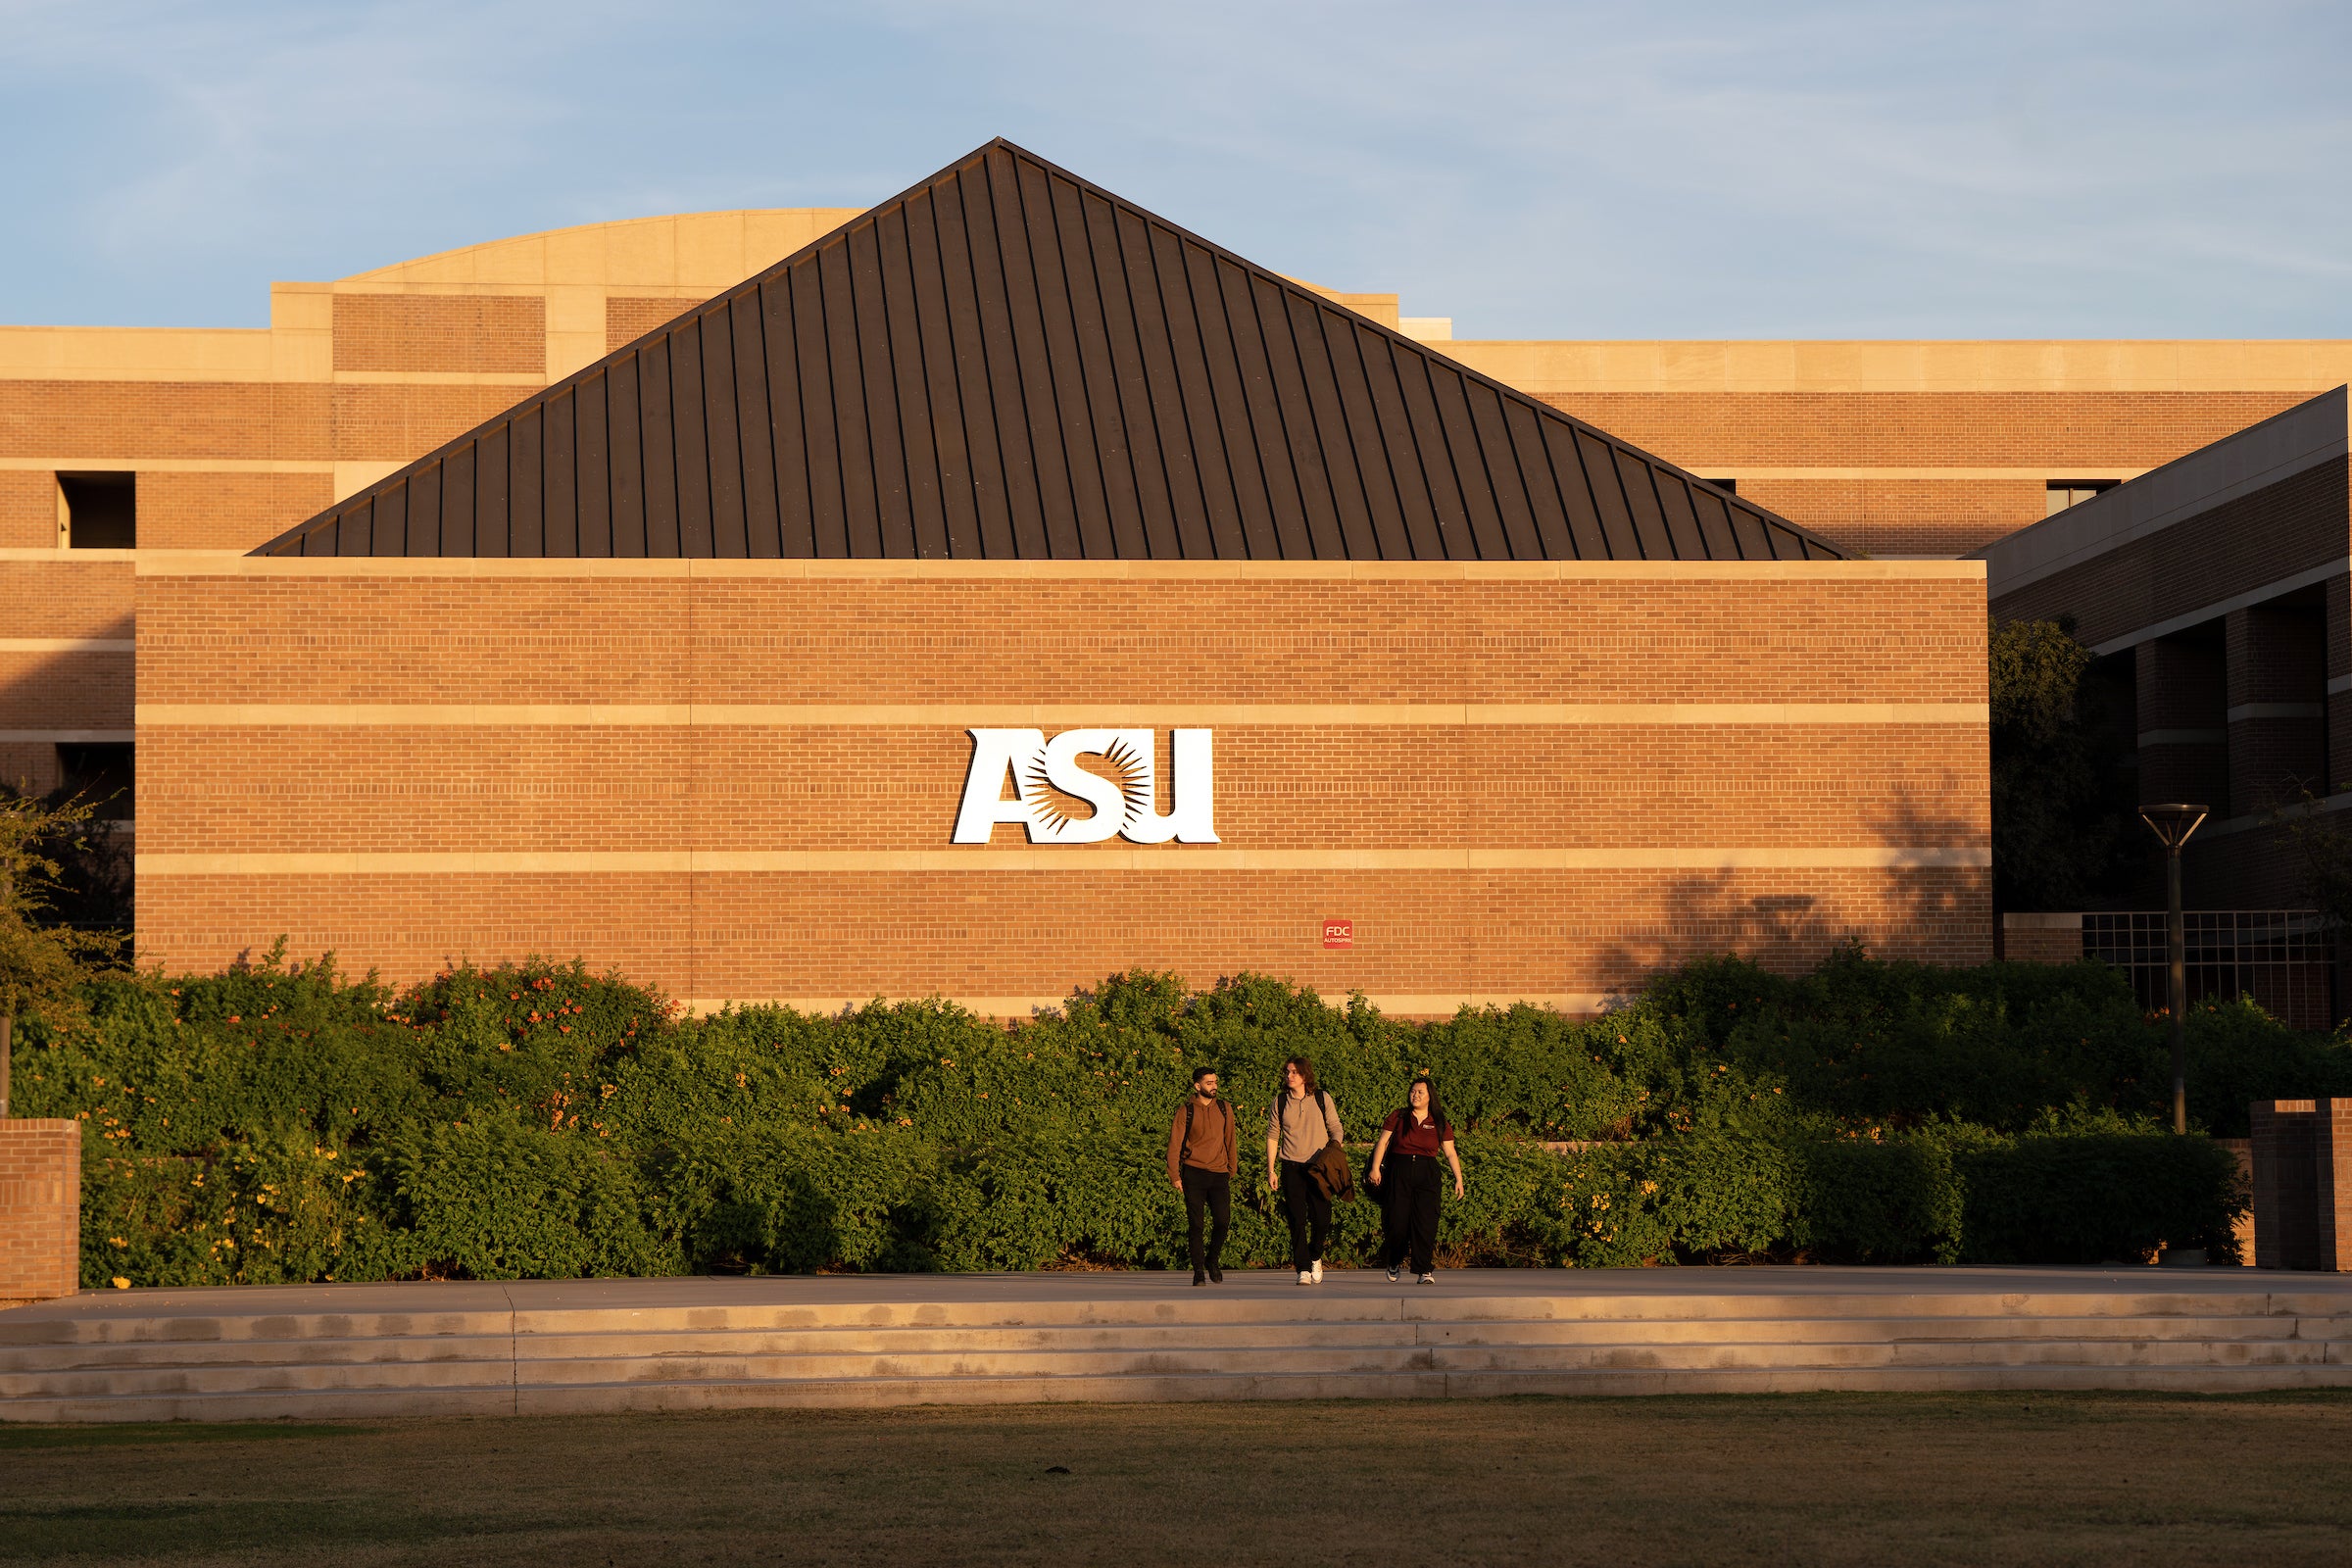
(738, 779)
(40, 1210)
(1892, 449)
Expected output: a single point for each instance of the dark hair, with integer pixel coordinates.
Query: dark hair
(1436, 1112)
(1306, 1075)
(1200, 1073)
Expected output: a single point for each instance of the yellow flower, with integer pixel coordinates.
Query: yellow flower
(122, 1284)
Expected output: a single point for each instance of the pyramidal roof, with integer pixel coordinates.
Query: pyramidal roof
(1008, 362)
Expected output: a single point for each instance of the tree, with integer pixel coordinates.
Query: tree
(41, 965)
(2060, 837)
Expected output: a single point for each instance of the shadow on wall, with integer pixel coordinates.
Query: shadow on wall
(1933, 913)
(55, 692)
(63, 716)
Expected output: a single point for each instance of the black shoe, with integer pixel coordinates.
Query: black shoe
(1216, 1275)
(1199, 1277)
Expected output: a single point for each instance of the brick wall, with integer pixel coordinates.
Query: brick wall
(738, 779)
(2069, 435)
(82, 421)
(40, 1210)
(2258, 539)
(1946, 518)
(2041, 938)
(478, 333)
(181, 511)
(2094, 432)
(27, 509)
(629, 318)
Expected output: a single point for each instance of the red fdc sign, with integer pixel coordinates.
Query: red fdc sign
(1339, 933)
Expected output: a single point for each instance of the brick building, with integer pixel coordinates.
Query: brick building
(1694, 749)
(2218, 593)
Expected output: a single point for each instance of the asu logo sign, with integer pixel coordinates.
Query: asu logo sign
(1046, 776)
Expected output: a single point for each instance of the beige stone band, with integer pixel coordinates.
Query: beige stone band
(962, 715)
(67, 645)
(1068, 857)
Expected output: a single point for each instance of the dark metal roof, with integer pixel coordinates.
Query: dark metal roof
(1007, 362)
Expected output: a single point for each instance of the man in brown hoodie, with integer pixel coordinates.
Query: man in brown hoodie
(1202, 1156)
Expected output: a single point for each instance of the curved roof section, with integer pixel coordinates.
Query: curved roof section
(709, 251)
(1008, 363)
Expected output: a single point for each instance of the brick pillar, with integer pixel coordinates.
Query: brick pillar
(2303, 1184)
(2184, 720)
(40, 1210)
(2278, 714)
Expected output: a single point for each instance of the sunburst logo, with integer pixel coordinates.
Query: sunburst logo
(1052, 781)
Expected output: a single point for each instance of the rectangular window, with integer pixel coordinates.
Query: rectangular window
(102, 510)
(1730, 487)
(2065, 493)
(101, 774)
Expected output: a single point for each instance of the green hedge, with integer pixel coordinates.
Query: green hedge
(274, 1125)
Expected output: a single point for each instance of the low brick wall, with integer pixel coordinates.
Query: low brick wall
(2041, 938)
(40, 1210)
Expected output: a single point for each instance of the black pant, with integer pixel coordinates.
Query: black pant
(1408, 1217)
(1213, 1189)
(1311, 1214)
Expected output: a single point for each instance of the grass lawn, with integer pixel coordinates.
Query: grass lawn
(1910, 1479)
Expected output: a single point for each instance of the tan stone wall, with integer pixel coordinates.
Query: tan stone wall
(738, 780)
(40, 1210)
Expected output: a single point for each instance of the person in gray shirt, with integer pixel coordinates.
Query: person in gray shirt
(1302, 1121)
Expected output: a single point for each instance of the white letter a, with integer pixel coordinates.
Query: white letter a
(995, 752)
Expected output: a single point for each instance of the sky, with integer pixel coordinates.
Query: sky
(1849, 169)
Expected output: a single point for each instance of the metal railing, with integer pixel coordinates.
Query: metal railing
(2283, 959)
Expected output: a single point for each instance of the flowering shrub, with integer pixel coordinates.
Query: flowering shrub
(275, 1124)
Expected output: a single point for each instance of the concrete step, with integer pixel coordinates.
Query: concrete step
(1157, 1337)
(609, 1397)
(652, 1363)
(574, 1346)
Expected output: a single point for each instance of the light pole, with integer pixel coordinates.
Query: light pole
(2173, 825)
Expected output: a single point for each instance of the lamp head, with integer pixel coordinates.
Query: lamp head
(2173, 822)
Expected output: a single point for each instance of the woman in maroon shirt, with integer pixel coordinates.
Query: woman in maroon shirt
(1404, 1167)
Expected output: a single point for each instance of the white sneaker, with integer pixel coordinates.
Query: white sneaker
(1392, 1273)
(1317, 1271)
(1304, 1278)
(1427, 1279)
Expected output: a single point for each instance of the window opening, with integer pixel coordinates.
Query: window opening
(102, 774)
(102, 510)
(2065, 493)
